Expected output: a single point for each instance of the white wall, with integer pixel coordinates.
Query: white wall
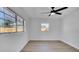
(54, 32)
(71, 29)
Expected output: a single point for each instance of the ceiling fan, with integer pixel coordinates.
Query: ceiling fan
(53, 11)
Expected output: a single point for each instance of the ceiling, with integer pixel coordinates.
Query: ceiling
(36, 12)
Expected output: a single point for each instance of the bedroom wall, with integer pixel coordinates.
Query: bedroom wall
(54, 32)
(71, 29)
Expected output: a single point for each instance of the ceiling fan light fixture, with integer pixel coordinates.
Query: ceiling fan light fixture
(52, 13)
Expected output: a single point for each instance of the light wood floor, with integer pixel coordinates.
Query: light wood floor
(48, 46)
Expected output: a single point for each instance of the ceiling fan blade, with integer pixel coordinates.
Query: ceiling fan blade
(58, 13)
(61, 9)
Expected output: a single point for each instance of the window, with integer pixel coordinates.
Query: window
(10, 21)
(20, 24)
(44, 27)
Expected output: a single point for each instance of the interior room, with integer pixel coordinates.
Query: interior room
(39, 29)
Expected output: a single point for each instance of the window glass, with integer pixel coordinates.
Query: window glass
(1, 15)
(10, 24)
(19, 28)
(1, 25)
(19, 24)
(1, 22)
(7, 17)
(7, 11)
(19, 21)
(1, 9)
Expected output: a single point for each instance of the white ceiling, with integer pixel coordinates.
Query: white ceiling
(36, 12)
